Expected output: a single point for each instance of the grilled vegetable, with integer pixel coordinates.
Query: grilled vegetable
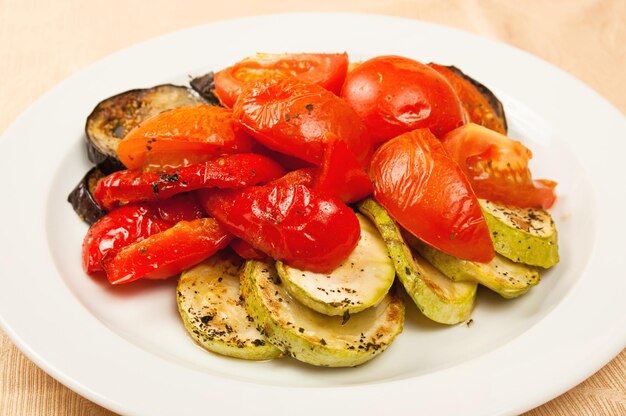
(82, 199)
(438, 297)
(314, 338)
(114, 117)
(524, 235)
(205, 86)
(360, 282)
(209, 302)
(485, 92)
(501, 275)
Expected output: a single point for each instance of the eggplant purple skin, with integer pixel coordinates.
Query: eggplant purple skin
(205, 86)
(115, 116)
(486, 93)
(82, 199)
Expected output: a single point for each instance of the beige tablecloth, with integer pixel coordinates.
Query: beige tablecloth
(42, 42)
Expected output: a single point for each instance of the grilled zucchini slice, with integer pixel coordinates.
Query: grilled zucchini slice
(361, 281)
(524, 235)
(312, 337)
(209, 301)
(501, 275)
(114, 117)
(438, 297)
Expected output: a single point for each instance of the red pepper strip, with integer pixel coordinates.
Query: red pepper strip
(341, 174)
(291, 223)
(168, 253)
(228, 172)
(118, 229)
(303, 176)
(181, 207)
(246, 251)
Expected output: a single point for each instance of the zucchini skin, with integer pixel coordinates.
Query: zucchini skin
(209, 302)
(360, 282)
(314, 338)
(82, 199)
(526, 235)
(425, 287)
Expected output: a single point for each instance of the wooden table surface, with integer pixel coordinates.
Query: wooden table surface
(42, 43)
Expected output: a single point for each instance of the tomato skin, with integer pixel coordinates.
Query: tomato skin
(168, 138)
(293, 117)
(324, 69)
(289, 223)
(118, 229)
(231, 171)
(246, 251)
(477, 107)
(341, 174)
(497, 167)
(426, 192)
(393, 95)
(167, 253)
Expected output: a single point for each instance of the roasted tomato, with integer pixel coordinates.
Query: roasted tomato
(227, 172)
(497, 167)
(167, 253)
(291, 223)
(182, 136)
(477, 107)
(341, 174)
(393, 95)
(118, 229)
(425, 191)
(325, 69)
(294, 117)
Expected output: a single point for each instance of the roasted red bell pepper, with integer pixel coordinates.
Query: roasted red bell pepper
(228, 172)
(168, 253)
(246, 251)
(118, 229)
(291, 223)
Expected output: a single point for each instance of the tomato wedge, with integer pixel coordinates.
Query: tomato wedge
(497, 167)
(294, 117)
(325, 69)
(477, 107)
(182, 136)
(231, 171)
(393, 95)
(425, 191)
(167, 253)
(291, 223)
(118, 229)
(341, 174)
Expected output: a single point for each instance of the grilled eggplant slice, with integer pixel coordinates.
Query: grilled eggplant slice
(485, 92)
(114, 117)
(438, 297)
(209, 301)
(524, 235)
(82, 199)
(312, 337)
(360, 282)
(205, 86)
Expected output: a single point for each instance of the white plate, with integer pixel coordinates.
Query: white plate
(125, 348)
